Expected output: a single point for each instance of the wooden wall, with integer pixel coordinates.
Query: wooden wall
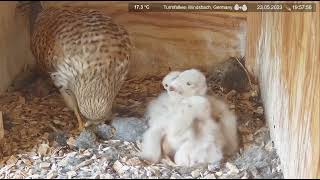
(173, 40)
(14, 43)
(283, 52)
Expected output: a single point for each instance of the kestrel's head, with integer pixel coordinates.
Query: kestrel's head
(95, 91)
(169, 78)
(94, 101)
(189, 83)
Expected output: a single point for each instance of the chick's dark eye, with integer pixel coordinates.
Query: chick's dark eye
(188, 83)
(166, 85)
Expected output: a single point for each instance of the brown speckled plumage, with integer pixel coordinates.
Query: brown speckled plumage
(87, 56)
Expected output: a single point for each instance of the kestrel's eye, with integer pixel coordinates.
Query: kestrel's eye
(188, 83)
(69, 92)
(166, 85)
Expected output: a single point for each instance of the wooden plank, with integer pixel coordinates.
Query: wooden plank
(283, 51)
(1, 126)
(15, 43)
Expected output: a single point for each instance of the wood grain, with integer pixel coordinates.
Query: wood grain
(1, 126)
(14, 43)
(179, 40)
(283, 52)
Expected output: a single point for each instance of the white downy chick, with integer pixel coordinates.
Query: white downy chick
(189, 83)
(195, 136)
(161, 105)
(228, 123)
(193, 82)
(157, 114)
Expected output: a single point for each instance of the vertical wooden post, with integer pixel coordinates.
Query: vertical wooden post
(1, 127)
(283, 52)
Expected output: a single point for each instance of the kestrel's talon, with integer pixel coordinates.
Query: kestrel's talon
(81, 127)
(80, 121)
